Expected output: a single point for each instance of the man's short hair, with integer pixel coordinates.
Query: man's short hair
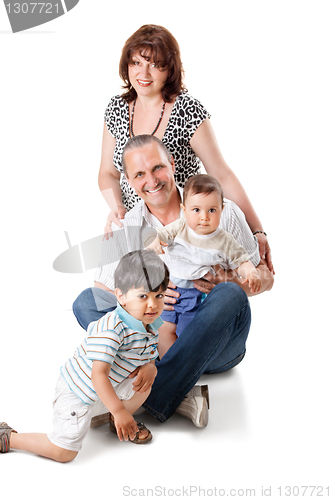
(138, 142)
(202, 184)
(141, 268)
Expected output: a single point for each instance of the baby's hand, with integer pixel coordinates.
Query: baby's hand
(156, 245)
(254, 282)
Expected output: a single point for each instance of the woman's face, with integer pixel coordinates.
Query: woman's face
(145, 77)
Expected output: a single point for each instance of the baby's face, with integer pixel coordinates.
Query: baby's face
(203, 212)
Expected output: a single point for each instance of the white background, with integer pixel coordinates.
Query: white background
(264, 71)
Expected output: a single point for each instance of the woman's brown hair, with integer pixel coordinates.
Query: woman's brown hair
(158, 45)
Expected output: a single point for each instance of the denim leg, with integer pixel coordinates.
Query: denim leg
(213, 341)
(92, 304)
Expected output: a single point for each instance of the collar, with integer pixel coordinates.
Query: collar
(203, 236)
(151, 219)
(135, 324)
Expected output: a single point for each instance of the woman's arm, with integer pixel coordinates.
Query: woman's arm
(109, 180)
(205, 146)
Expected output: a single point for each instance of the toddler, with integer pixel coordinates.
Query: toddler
(111, 371)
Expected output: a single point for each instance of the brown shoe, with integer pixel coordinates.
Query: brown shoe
(100, 419)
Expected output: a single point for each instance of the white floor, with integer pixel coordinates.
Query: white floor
(267, 65)
(269, 422)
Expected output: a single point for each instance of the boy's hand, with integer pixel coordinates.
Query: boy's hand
(125, 425)
(145, 376)
(254, 282)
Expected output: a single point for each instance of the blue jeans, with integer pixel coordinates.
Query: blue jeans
(92, 304)
(213, 342)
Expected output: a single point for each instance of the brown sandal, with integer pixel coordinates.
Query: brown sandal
(136, 440)
(100, 420)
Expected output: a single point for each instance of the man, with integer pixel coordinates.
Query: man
(215, 340)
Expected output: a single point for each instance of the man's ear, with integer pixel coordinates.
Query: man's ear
(120, 297)
(173, 164)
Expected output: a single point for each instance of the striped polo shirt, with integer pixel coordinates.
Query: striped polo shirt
(118, 339)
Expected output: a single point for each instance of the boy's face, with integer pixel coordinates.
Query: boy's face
(203, 212)
(142, 305)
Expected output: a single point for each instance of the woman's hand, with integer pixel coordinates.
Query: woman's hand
(115, 218)
(265, 250)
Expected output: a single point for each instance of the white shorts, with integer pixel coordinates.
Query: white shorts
(71, 417)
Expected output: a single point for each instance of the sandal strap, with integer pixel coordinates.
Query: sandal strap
(141, 427)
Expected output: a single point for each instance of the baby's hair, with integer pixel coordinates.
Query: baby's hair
(202, 184)
(141, 268)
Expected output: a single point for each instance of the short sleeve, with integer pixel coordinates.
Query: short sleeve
(110, 116)
(191, 114)
(103, 346)
(170, 231)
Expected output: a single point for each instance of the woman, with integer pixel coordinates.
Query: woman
(156, 102)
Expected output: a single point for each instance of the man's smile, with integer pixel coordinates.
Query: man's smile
(158, 188)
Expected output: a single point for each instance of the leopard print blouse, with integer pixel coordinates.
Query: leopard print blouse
(186, 116)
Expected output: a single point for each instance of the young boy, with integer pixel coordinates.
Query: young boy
(120, 349)
(197, 244)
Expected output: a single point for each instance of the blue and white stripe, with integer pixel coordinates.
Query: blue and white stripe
(117, 339)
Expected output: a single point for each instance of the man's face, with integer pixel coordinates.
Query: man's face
(151, 174)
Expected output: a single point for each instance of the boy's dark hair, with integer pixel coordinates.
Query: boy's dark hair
(141, 268)
(202, 183)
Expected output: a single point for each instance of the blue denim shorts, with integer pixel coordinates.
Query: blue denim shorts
(185, 308)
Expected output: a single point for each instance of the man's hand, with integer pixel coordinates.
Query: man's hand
(207, 284)
(171, 297)
(145, 376)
